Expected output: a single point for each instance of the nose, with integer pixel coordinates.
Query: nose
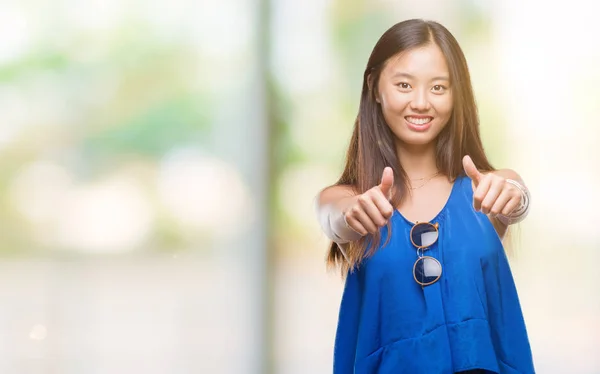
(420, 101)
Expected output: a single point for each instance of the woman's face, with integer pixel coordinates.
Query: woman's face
(415, 94)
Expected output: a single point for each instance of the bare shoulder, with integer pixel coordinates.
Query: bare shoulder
(509, 174)
(335, 192)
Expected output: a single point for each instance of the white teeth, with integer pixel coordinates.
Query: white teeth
(419, 121)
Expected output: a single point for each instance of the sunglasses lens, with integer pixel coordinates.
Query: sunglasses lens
(427, 270)
(424, 234)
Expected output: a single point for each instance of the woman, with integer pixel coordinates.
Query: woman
(417, 220)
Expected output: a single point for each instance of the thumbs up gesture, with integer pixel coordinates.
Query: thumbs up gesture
(372, 209)
(491, 193)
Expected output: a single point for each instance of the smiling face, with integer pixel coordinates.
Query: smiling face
(415, 95)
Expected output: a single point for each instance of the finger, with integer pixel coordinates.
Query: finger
(372, 210)
(511, 206)
(471, 170)
(383, 205)
(387, 181)
(491, 196)
(361, 217)
(480, 192)
(500, 203)
(355, 225)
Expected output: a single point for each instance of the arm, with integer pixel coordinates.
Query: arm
(509, 174)
(345, 216)
(330, 205)
(500, 194)
(501, 221)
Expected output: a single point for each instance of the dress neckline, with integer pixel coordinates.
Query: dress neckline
(440, 213)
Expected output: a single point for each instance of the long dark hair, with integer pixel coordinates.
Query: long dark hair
(372, 146)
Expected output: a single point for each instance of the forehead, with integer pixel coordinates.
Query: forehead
(422, 61)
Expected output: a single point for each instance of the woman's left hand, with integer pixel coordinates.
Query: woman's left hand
(491, 193)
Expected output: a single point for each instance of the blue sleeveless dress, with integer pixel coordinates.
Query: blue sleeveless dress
(469, 319)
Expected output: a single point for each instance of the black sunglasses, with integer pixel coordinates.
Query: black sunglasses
(426, 270)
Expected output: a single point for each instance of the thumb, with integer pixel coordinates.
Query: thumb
(471, 170)
(387, 181)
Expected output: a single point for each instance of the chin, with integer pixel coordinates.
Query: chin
(417, 139)
(417, 142)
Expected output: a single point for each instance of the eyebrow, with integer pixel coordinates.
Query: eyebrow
(406, 75)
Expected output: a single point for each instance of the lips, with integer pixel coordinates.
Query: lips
(418, 123)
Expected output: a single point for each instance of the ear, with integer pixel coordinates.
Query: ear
(373, 87)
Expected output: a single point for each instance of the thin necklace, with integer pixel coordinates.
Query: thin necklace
(427, 179)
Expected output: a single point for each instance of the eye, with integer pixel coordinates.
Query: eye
(438, 88)
(403, 85)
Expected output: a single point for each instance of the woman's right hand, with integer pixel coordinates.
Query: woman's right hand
(371, 210)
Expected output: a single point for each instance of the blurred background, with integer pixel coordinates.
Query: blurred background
(159, 162)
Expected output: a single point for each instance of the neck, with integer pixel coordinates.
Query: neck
(417, 161)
